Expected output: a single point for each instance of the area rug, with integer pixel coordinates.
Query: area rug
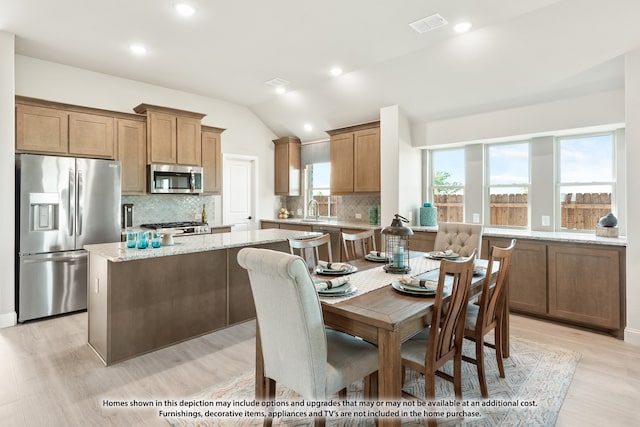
(537, 380)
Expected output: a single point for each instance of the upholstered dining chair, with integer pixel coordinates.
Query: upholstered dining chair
(357, 245)
(486, 316)
(431, 348)
(297, 351)
(459, 237)
(311, 249)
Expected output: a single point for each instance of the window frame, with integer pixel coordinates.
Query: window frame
(558, 184)
(487, 185)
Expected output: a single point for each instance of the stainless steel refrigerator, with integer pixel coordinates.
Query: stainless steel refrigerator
(62, 204)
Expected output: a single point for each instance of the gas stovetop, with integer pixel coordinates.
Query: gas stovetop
(187, 227)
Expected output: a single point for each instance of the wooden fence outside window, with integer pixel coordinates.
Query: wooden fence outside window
(581, 212)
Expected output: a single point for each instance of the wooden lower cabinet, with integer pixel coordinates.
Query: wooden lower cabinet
(527, 275)
(269, 224)
(241, 305)
(584, 284)
(422, 241)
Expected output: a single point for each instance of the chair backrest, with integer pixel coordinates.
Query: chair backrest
(460, 237)
(309, 249)
(492, 300)
(447, 320)
(290, 322)
(357, 245)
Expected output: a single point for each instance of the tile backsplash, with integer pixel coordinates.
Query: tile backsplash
(168, 208)
(348, 206)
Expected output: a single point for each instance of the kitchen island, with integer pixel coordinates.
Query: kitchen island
(140, 300)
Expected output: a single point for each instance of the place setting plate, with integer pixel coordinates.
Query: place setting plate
(413, 290)
(334, 272)
(440, 255)
(339, 291)
(375, 258)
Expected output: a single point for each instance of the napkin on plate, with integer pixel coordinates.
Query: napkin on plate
(446, 253)
(335, 266)
(378, 254)
(414, 282)
(323, 285)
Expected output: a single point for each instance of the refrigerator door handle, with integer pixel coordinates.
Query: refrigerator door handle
(68, 259)
(80, 201)
(72, 200)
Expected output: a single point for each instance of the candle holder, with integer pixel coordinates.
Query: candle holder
(396, 246)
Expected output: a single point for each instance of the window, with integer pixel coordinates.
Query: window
(318, 179)
(586, 179)
(508, 179)
(447, 182)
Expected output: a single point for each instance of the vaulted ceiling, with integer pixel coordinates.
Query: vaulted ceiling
(517, 52)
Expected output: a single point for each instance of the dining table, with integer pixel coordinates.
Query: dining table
(380, 314)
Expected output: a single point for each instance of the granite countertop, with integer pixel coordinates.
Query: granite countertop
(118, 252)
(327, 223)
(543, 235)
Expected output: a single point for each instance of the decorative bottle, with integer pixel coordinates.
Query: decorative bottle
(204, 213)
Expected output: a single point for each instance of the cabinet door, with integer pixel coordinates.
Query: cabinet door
(584, 284)
(189, 143)
(212, 162)
(366, 160)
(527, 276)
(341, 148)
(422, 241)
(44, 130)
(132, 139)
(268, 224)
(161, 130)
(91, 135)
(281, 165)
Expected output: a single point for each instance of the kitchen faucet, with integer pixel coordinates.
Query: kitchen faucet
(317, 208)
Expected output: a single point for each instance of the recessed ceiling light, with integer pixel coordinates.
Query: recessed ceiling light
(336, 71)
(280, 90)
(462, 27)
(184, 9)
(308, 127)
(138, 49)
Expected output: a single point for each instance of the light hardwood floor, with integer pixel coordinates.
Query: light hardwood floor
(50, 377)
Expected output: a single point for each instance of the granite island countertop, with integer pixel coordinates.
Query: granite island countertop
(118, 252)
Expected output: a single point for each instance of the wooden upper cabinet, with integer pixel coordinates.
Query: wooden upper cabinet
(173, 136)
(212, 159)
(355, 159)
(91, 135)
(189, 145)
(132, 142)
(366, 160)
(341, 148)
(287, 166)
(40, 129)
(162, 137)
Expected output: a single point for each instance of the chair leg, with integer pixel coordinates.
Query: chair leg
(271, 396)
(430, 392)
(319, 421)
(342, 394)
(482, 379)
(498, 341)
(371, 386)
(457, 374)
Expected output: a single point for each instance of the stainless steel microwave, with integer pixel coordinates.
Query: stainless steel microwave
(174, 179)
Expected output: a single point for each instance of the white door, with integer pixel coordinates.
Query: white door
(239, 198)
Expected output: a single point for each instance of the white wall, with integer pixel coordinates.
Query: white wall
(632, 107)
(7, 178)
(601, 109)
(400, 167)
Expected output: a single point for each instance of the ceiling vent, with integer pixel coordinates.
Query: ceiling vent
(277, 82)
(429, 23)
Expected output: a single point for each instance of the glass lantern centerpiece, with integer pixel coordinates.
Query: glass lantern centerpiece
(396, 246)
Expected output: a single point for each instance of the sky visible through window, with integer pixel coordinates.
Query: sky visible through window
(322, 175)
(586, 159)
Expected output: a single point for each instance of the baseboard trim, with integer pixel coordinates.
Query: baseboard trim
(8, 319)
(632, 335)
